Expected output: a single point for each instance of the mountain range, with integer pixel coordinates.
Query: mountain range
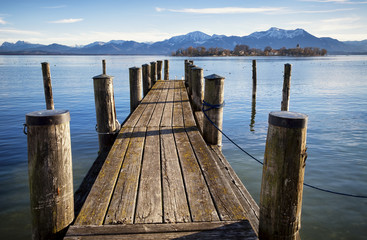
(274, 37)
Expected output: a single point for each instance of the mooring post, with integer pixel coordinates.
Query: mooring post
(147, 84)
(104, 67)
(47, 86)
(286, 87)
(135, 87)
(283, 174)
(107, 124)
(191, 66)
(197, 75)
(213, 108)
(159, 69)
(153, 72)
(187, 63)
(50, 173)
(166, 69)
(254, 79)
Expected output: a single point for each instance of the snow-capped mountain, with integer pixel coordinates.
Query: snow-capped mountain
(273, 37)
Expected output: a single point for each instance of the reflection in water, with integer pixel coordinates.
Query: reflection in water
(253, 114)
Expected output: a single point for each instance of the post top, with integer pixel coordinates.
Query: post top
(288, 119)
(153, 62)
(47, 117)
(196, 68)
(145, 64)
(134, 68)
(213, 76)
(102, 76)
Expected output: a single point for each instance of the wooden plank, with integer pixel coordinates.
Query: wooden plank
(202, 230)
(96, 204)
(177, 118)
(149, 204)
(226, 202)
(174, 196)
(248, 203)
(158, 111)
(189, 120)
(122, 205)
(135, 116)
(200, 201)
(147, 114)
(168, 108)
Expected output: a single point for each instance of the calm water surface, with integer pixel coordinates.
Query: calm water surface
(331, 90)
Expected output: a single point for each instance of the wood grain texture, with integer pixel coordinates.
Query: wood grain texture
(123, 202)
(286, 87)
(174, 195)
(156, 118)
(166, 69)
(149, 204)
(189, 120)
(47, 86)
(168, 107)
(159, 69)
(95, 207)
(178, 117)
(201, 205)
(136, 87)
(147, 83)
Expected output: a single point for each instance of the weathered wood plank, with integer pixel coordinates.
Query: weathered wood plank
(174, 195)
(189, 120)
(96, 204)
(149, 207)
(122, 205)
(135, 116)
(158, 111)
(149, 110)
(177, 118)
(226, 202)
(248, 203)
(168, 108)
(202, 230)
(200, 201)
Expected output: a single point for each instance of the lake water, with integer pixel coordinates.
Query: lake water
(331, 90)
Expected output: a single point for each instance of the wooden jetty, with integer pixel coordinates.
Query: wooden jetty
(162, 181)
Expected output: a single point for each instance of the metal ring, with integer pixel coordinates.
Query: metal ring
(24, 129)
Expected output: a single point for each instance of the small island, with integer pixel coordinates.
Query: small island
(244, 50)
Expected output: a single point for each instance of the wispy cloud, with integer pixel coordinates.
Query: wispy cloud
(54, 7)
(17, 31)
(69, 20)
(2, 21)
(325, 11)
(336, 1)
(225, 10)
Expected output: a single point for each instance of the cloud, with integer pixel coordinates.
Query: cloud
(70, 20)
(54, 7)
(17, 31)
(335, 1)
(225, 10)
(2, 21)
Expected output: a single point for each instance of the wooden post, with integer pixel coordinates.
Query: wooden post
(153, 73)
(187, 63)
(214, 96)
(104, 67)
(147, 84)
(283, 174)
(50, 173)
(286, 87)
(191, 66)
(47, 86)
(159, 69)
(166, 69)
(253, 114)
(107, 124)
(197, 75)
(254, 79)
(135, 87)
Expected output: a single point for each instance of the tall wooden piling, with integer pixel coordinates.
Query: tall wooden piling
(107, 124)
(153, 73)
(159, 69)
(213, 102)
(187, 63)
(286, 87)
(166, 69)
(104, 71)
(135, 87)
(47, 86)
(191, 66)
(283, 174)
(147, 84)
(197, 75)
(50, 173)
(254, 79)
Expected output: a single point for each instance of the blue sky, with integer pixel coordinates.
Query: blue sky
(82, 22)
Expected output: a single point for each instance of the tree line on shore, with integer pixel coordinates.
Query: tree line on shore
(244, 50)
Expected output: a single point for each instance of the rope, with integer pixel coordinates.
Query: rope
(234, 143)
